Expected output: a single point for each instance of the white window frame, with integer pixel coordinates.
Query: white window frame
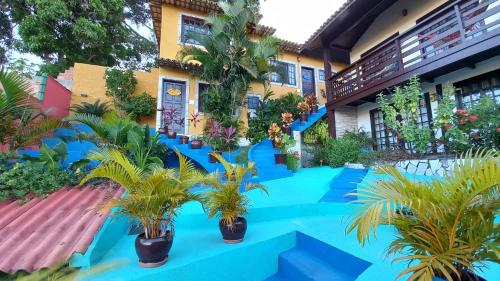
(252, 95)
(296, 76)
(179, 29)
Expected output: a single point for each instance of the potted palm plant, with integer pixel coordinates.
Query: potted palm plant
(227, 202)
(303, 107)
(275, 134)
(154, 194)
(447, 226)
(287, 120)
(312, 101)
(283, 144)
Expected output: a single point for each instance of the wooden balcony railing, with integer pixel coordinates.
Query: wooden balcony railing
(447, 30)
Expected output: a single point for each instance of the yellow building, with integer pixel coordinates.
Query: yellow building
(171, 20)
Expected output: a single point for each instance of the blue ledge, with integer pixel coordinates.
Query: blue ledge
(313, 118)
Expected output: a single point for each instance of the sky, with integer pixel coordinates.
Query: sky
(296, 20)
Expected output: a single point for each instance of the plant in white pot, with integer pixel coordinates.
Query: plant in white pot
(226, 200)
(154, 194)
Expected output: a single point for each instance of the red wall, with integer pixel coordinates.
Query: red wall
(56, 99)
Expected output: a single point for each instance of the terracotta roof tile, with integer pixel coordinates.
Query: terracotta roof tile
(45, 232)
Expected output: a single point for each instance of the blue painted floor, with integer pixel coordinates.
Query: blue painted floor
(343, 184)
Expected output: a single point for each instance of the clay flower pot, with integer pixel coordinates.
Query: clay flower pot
(287, 130)
(304, 117)
(172, 135)
(314, 109)
(233, 233)
(153, 252)
(184, 139)
(212, 158)
(280, 158)
(163, 131)
(196, 144)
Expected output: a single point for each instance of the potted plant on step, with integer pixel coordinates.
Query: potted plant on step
(213, 131)
(275, 134)
(303, 107)
(287, 120)
(312, 101)
(154, 195)
(284, 144)
(194, 120)
(445, 228)
(196, 142)
(227, 202)
(168, 117)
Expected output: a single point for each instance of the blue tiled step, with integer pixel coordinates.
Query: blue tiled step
(314, 260)
(343, 184)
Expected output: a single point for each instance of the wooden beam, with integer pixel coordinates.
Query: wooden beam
(327, 58)
(332, 126)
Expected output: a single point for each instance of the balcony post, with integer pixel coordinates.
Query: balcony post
(460, 22)
(332, 126)
(327, 57)
(399, 55)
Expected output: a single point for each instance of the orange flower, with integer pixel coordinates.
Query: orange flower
(473, 118)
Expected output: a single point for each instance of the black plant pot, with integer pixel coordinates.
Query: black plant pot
(196, 144)
(234, 232)
(153, 252)
(280, 158)
(304, 117)
(172, 135)
(287, 130)
(212, 158)
(466, 275)
(184, 139)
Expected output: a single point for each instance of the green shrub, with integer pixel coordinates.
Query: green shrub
(270, 112)
(292, 162)
(370, 158)
(337, 152)
(142, 105)
(36, 178)
(317, 134)
(360, 136)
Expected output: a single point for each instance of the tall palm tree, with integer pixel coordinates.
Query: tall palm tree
(21, 124)
(229, 60)
(446, 226)
(154, 193)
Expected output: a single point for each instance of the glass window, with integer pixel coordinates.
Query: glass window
(383, 138)
(202, 91)
(287, 70)
(471, 90)
(321, 75)
(253, 103)
(192, 25)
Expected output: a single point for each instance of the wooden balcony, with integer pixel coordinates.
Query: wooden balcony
(456, 35)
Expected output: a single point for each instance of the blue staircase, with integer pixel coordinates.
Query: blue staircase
(344, 183)
(262, 153)
(200, 156)
(314, 260)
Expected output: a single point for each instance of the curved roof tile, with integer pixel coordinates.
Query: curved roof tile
(45, 232)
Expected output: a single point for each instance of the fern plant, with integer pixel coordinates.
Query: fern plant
(225, 199)
(446, 227)
(98, 108)
(154, 193)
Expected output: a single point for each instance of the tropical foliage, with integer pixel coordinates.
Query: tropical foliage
(445, 227)
(98, 108)
(317, 134)
(120, 86)
(269, 112)
(401, 114)
(229, 59)
(21, 124)
(225, 199)
(154, 193)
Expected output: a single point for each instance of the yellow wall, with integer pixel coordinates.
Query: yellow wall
(392, 21)
(89, 85)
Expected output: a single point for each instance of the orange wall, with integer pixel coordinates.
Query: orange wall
(89, 85)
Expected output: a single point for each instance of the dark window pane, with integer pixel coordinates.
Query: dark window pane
(287, 69)
(253, 102)
(202, 90)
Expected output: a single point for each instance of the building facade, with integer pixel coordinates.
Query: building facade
(382, 43)
(172, 19)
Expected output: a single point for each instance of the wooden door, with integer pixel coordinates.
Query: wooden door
(308, 81)
(174, 95)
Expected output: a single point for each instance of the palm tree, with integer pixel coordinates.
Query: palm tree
(97, 108)
(229, 60)
(154, 193)
(225, 199)
(21, 125)
(448, 226)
